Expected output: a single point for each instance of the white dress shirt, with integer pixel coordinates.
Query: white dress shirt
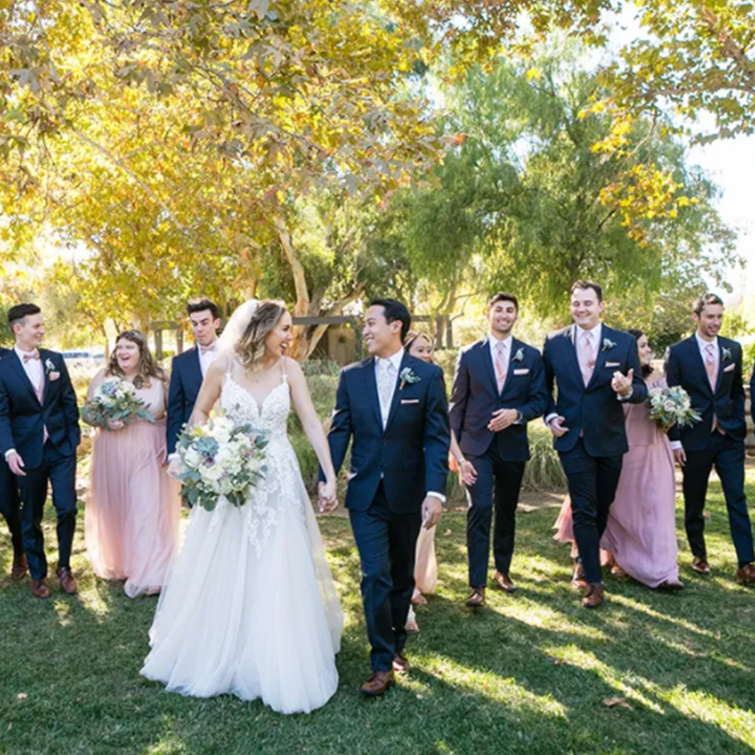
(207, 356)
(395, 360)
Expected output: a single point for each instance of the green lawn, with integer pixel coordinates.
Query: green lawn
(527, 675)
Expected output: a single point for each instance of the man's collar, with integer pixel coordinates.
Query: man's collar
(395, 359)
(494, 341)
(594, 331)
(21, 352)
(702, 343)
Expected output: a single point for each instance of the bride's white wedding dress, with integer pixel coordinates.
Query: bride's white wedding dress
(250, 607)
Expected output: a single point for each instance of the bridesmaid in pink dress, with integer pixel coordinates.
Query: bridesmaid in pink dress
(640, 536)
(133, 510)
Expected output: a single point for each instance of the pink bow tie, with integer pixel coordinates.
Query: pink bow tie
(29, 357)
(205, 349)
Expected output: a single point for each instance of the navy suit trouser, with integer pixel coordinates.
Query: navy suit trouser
(10, 507)
(727, 455)
(592, 482)
(387, 543)
(60, 472)
(497, 487)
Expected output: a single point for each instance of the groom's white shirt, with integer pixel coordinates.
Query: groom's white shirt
(395, 360)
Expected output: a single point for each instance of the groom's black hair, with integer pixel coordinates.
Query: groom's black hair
(395, 310)
(200, 305)
(17, 313)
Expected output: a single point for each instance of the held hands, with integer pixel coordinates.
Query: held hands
(502, 419)
(432, 509)
(680, 457)
(467, 472)
(557, 427)
(16, 464)
(622, 385)
(327, 500)
(115, 424)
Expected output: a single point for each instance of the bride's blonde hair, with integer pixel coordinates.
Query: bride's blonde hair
(251, 346)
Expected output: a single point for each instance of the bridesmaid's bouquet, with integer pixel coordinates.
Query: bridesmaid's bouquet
(219, 460)
(114, 400)
(671, 406)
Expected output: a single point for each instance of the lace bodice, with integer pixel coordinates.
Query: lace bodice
(282, 484)
(242, 407)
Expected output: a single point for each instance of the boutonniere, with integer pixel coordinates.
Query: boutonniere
(607, 344)
(407, 376)
(725, 354)
(519, 356)
(49, 366)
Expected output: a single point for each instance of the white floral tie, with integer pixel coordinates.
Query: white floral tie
(386, 385)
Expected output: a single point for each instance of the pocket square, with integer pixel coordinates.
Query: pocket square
(53, 376)
(612, 364)
(729, 368)
(410, 401)
(522, 371)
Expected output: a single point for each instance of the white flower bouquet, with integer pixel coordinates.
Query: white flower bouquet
(219, 460)
(115, 400)
(671, 406)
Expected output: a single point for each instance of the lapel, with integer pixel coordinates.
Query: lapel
(720, 364)
(196, 368)
(396, 392)
(698, 359)
(600, 359)
(43, 357)
(515, 345)
(487, 359)
(15, 361)
(571, 335)
(372, 392)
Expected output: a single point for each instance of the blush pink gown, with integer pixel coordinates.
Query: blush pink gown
(133, 510)
(641, 529)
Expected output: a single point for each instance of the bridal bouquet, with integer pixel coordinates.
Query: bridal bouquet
(671, 406)
(219, 459)
(114, 400)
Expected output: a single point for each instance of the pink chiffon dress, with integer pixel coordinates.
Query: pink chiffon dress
(641, 528)
(133, 510)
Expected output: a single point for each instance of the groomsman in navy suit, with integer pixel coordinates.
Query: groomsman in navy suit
(499, 387)
(10, 508)
(39, 434)
(596, 369)
(392, 408)
(188, 369)
(709, 368)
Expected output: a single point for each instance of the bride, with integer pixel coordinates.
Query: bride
(250, 607)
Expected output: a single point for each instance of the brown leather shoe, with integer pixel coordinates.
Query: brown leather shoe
(503, 581)
(67, 582)
(578, 580)
(400, 664)
(746, 575)
(593, 597)
(377, 684)
(477, 598)
(39, 589)
(20, 567)
(700, 565)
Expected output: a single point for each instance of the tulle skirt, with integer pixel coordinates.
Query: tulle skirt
(250, 619)
(133, 511)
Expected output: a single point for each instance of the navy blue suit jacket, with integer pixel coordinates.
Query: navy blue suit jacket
(593, 411)
(23, 418)
(685, 367)
(411, 453)
(475, 397)
(185, 382)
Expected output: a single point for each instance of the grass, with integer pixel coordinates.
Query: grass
(527, 675)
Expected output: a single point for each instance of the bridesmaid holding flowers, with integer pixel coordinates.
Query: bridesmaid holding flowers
(133, 510)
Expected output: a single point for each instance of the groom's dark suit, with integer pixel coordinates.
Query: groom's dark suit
(392, 469)
(705, 447)
(25, 422)
(498, 458)
(592, 451)
(10, 502)
(185, 382)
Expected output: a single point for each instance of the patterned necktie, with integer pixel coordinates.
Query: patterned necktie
(501, 368)
(386, 384)
(710, 365)
(586, 357)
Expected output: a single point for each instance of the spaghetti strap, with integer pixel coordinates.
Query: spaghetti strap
(283, 369)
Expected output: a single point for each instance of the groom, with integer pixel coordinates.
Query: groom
(596, 369)
(392, 407)
(39, 433)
